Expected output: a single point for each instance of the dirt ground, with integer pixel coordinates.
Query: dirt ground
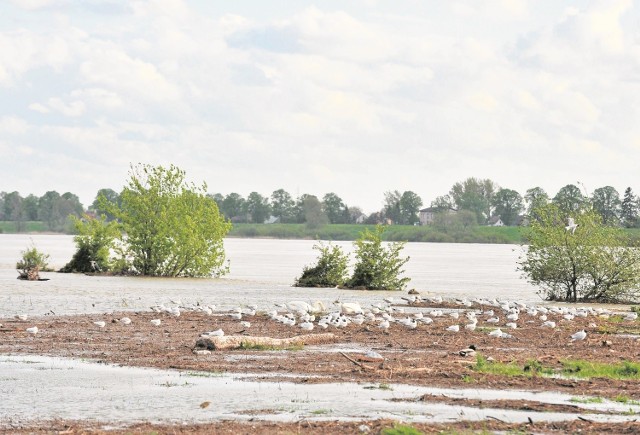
(428, 355)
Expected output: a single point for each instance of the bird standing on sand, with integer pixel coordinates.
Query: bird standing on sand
(99, 324)
(33, 330)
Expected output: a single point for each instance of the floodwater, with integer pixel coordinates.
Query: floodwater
(107, 393)
(262, 273)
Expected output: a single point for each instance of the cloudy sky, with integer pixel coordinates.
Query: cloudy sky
(354, 97)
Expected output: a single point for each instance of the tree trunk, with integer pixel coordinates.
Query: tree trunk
(247, 342)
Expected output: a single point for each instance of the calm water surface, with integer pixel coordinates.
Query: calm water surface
(262, 271)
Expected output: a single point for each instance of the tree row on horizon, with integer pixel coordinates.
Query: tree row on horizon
(479, 200)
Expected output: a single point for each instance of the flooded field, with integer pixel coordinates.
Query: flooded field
(85, 364)
(111, 393)
(262, 272)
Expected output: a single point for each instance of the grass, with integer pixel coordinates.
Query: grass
(401, 429)
(9, 227)
(586, 400)
(321, 411)
(626, 400)
(379, 387)
(264, 347)
(573, 368)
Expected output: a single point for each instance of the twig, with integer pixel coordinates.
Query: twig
(584, 419)
(496, 419)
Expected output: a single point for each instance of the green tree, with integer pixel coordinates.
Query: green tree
(94, 241)
(172, 228)
(14, 210)
(592, 262)
(330, 269)
(234, 207)
(378, 267)
(629, 209)
(391, 207)
(31, 207)
(49, 210)
(410, 204)
(535, 197)
(606, 201)
(569, 199)
(282, 205)
(507, 204)
(475, 195)
(111, 196)
(258, 207)
(443, 203)
(314, 215)
(334, 208)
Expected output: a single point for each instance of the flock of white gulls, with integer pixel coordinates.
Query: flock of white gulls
(492, 315)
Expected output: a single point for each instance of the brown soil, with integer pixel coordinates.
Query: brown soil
(427, 355)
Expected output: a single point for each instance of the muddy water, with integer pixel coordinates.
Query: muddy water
(126, 395)
(262, 272)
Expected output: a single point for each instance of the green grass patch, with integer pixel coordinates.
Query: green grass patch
(626, 400)
(10, 227)
(401, 429)
(264, 347)
(321, 411)
(379, 387)
(586, 400)
(587, 369)
(570, 368)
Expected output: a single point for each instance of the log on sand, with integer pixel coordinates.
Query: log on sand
(247, 342)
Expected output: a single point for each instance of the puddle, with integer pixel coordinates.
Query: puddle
(82, 390)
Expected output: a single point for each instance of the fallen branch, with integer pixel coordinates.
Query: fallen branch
(358, 363)
(242, 341)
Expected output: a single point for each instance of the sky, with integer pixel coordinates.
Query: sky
(353, 97)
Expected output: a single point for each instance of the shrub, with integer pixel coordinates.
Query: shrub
(378, 267)
(94, 241)
(329, 271)
(32, 262)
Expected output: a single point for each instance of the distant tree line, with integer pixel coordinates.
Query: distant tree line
(468, 203)
(480, 200)
(51, 208)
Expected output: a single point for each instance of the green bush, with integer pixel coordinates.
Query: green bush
(378, 267)
(32, 262)
(95, 239)
(329, 271)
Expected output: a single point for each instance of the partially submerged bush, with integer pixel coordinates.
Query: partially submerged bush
(378, 267)
(329, 271)
(94, 241)
(32, 262)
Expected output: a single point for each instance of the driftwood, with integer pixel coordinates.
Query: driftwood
(247, 342)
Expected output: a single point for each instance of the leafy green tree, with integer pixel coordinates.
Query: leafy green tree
(258, 207)
(591, 262)
(172, 228)
(444, 202)
(94, 241)
(378, 267)
(282, 205)
(569, 199)
(111, 196)
(234, 207)
(334, 208)
(14, 210)
(329, 271)
(606, 201)
(49, 210)
(535, 197)
(30, 204)
(475, 195)
(507, 204)
(629, 209)
(410, 204)
(314, 215)
(391, 207)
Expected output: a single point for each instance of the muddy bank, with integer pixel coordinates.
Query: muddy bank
(427, 355)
